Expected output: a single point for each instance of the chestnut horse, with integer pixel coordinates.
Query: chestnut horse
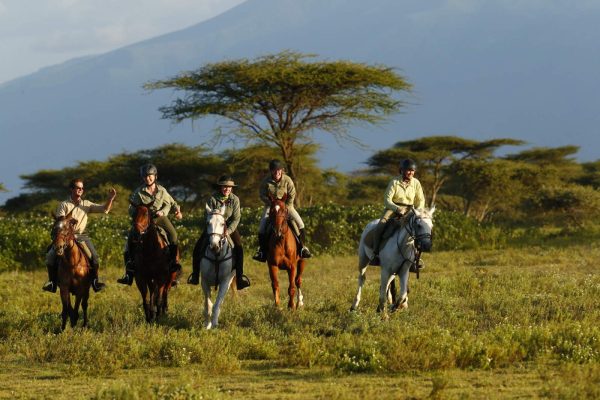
(283, 253)
(152, 275)
(73, 271)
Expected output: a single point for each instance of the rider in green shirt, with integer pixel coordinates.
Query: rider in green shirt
(161, 203)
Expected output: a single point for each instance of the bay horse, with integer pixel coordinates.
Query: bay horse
(397, 256)
(283, 253)
(152, 274)
(216, 265)
(73, 271)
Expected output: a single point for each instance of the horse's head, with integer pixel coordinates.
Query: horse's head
(421, 227)
(141, 219)
(215, 228)
(278, 215)
(63, 234)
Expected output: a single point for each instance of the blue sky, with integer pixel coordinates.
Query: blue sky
(39, 33)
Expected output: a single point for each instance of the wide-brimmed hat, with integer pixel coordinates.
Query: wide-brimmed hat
(225, 180)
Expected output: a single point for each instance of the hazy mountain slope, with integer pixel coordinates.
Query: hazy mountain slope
(500, 68)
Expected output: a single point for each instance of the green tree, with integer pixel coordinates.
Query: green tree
(280, 99)
(2, 188)
(437, 157)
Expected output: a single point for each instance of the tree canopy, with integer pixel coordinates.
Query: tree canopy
(280, 99)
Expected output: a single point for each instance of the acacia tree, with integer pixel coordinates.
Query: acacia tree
(280, 99)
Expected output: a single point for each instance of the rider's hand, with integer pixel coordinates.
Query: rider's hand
(178, 214)
(159, 214)
(112, 193)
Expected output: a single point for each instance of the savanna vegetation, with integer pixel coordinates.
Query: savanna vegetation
(506, 307)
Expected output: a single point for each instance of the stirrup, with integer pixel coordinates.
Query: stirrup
(126, 279)
(49, 286)
(260, 256)
(242, 282)
(97, 285)
(193, 279)
(375, 260)
(305, 253)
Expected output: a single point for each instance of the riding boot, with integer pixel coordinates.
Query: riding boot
(194, 278)
(261, 254)
(127, 279)
(377, 233)
(96, 284)
(304, 252)
(174, 265)
(51, 286)
(241, 280)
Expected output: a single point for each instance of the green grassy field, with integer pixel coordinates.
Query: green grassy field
(481, 324)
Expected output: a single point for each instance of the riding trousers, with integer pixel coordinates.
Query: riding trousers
(292, 214)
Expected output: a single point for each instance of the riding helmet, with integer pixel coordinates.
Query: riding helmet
(275, 165)
(148, 169)
(408, 164)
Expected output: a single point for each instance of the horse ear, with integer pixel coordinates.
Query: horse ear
(432, 210)
(73, 222)
(284, 197)
(222, 210)
(208, 209)
(271, 197)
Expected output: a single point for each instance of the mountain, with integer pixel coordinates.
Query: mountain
(482, 70)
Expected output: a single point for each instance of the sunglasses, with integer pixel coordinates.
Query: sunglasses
(78, 188)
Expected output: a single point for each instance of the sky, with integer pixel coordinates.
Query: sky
(39, 33)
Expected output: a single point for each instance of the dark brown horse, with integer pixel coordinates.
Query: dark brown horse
(152, 275)
(283, 253)
(73, 271)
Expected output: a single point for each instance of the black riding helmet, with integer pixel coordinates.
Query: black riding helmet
(408, 164)
(148, 169)
(275, 164)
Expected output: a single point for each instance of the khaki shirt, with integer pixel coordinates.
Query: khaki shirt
(232, 210)
(400, 192)
(79, 212)
(278, 189)
(160, 201)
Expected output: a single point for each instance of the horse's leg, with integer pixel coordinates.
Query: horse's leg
(299, 272)
(143, 288)
(393, 291)
(363, 263)
(402, 301)
(223, 288)
(84, 307)
(65, 299)
(386, 279)
(273, 269)
(75, 310)
(292, 286)
(207, 303)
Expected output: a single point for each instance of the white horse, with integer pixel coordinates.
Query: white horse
(397, 255)
(216, 265)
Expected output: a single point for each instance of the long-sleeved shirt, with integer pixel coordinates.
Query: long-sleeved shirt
(278, 190)
(399, 192)
(160, 201)
(232, 212)
(79, 212)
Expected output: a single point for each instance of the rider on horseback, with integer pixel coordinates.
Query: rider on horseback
(402, 193)
(223, 196)
(277, 184)
(160, 203)
(80, 209)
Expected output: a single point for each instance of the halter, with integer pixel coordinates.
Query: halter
(216, 260)
(411, 230)
(283, 229)
(67, 237)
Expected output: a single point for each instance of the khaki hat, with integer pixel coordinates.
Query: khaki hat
(225, 180)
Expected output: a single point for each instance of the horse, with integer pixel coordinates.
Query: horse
(73, 271)
(397, 256)
(216, 265)
(283, 253)
(152, 274)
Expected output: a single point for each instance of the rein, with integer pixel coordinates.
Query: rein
(411, 232)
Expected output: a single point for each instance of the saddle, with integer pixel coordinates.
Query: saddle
(391, 226)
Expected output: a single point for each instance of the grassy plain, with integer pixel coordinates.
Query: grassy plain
(516, 323)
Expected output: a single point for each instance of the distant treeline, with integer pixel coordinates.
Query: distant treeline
(460, 175)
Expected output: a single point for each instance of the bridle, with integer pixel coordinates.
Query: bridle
(412, 229)
(222, 239)
(68, 237)
(276, 212)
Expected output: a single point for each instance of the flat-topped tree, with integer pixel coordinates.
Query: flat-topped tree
(281, 99)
